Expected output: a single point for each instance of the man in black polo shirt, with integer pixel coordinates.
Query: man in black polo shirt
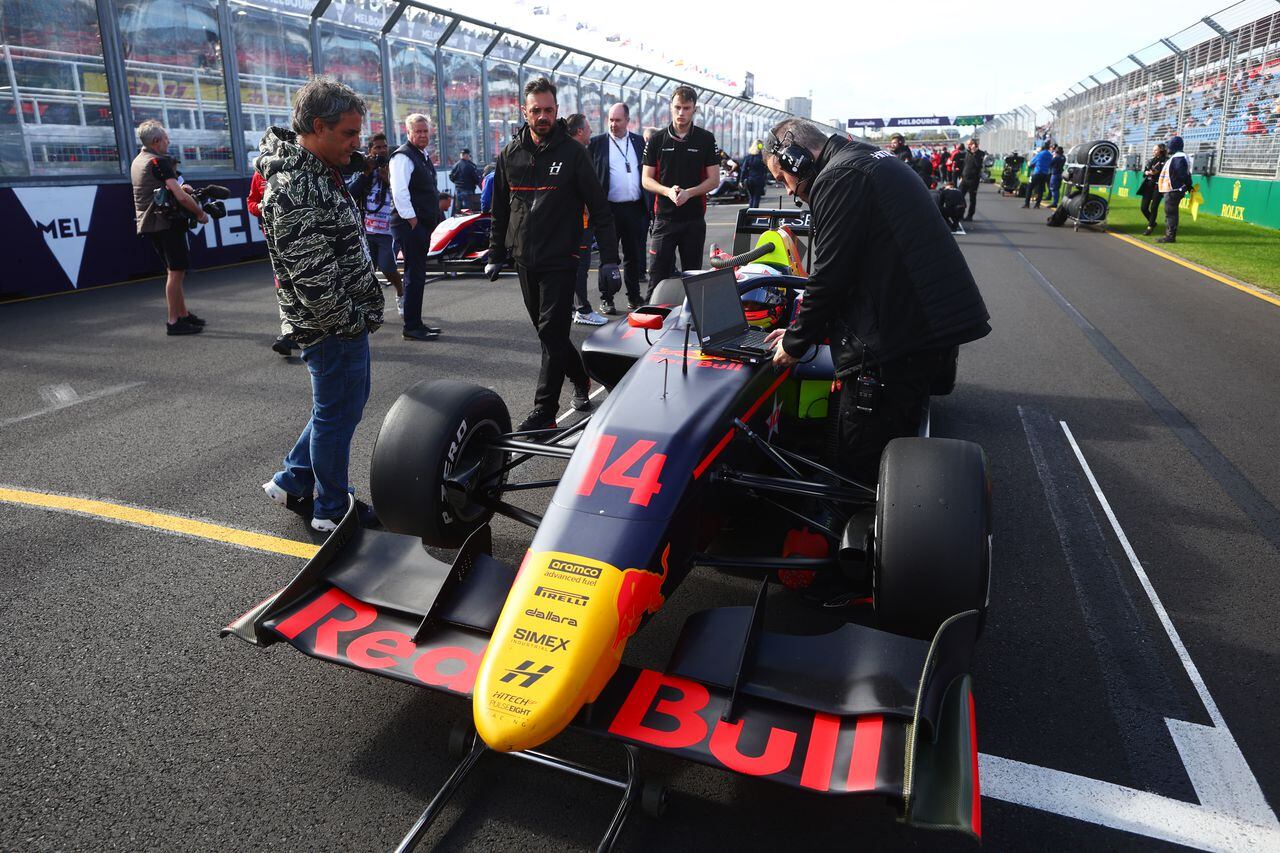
(680, 167)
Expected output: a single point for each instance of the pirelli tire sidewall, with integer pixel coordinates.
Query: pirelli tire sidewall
(435, 429)
(932, 534)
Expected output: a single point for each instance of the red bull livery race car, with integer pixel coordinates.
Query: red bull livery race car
(688, 444)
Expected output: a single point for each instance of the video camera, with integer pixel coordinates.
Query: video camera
(209, 198)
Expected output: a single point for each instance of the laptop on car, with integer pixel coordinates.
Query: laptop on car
(719, 319)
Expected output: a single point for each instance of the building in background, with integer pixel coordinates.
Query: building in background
(802, 107)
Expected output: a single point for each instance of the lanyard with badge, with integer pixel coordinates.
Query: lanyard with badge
(626, 159)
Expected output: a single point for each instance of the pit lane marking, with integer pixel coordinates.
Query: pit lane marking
(62, 396)
(138, 517)
(571, 410)
(1204, 271)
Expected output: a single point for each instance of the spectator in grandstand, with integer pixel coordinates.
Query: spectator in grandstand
(617, 156)
(680, 168)
(898, 148)
(888, 286)
(1254, 125)
(544, 180)
(1148, 190)
(1175, 182)
(466, 179)
(580, 132)
(971, 175)
(951, 205)
(329, 299)
(1039, 171)
(754, 174)
(1056, 165)
(372, 191)
(415, 197)
(153, 169)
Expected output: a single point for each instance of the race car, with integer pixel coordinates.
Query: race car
(690, 449)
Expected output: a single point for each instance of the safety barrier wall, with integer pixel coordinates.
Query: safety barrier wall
(1216, 83)
(77, 76)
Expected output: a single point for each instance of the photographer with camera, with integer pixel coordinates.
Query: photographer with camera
(371, 189)
(162, 219)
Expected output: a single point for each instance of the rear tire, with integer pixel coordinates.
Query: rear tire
(436, 429)
(932, 534)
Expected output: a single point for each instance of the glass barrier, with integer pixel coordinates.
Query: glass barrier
(463, 112)
(273, 60)
(352, 57)
(504, 106)
(413, 90)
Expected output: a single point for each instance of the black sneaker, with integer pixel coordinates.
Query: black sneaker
(542, 417)
(283, 345)
(1161, 240)
(182, 327)
(631, 306)
(422, 334)
(606, 307)
(368, 518)
(194, 320)
(581, 399)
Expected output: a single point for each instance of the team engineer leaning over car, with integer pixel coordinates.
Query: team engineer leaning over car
(888, 286)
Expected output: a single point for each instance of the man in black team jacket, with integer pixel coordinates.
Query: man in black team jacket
(543, 181)
(888, 286)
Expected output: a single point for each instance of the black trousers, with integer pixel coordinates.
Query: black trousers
(1151, 206)
(580, 302)
(414, 243)
(548, 297)
(904, 390)
(971, 190)
(754, 193)
(686, 236)
(1171, 202)
(632, 224)
(1039, 182)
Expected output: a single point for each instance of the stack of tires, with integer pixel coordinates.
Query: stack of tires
(1093, 163)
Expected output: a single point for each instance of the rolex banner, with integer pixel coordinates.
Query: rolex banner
(71, 238)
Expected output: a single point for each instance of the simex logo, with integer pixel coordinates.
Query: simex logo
(547, 641)
(574, 569)
(63, 216)
(561, 596)
(525, 675)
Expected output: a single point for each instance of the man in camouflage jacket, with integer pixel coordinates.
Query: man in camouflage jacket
(329, 298)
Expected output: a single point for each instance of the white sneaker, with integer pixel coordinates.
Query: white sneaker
(590, 318)
(276, 493)
(323, 525)
(400, 304)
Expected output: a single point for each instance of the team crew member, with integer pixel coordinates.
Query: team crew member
(617, 156)
(680, 167)
(580, 132)
(1175, 182)
(971, 175)
(543, 180)
(415, 195)
(951, 204)
(152, 169)
(888, 286)
(1039, 169)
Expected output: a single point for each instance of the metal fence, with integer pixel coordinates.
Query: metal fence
(76, 77)
(1216, 83)
(1009, 132)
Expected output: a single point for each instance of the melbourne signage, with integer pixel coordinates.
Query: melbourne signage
(919, 121)
(873, 123)
(68, 238)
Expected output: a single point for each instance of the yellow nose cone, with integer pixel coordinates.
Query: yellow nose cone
(558, 641)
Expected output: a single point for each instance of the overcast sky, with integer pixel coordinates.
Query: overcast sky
(891, 58)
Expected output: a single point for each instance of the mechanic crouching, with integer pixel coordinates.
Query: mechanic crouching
(543, 181)
(888, 287)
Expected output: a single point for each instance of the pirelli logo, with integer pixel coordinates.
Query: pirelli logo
(573, 598)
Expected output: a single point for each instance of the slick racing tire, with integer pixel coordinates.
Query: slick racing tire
(436, 431)
(670, 291)
(932, 534)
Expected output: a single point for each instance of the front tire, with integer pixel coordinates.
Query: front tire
(932, 534)
(435, 431)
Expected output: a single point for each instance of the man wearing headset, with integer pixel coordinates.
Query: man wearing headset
(888, 287)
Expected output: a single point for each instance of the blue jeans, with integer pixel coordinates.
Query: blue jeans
(339, 389)
(1055, 186)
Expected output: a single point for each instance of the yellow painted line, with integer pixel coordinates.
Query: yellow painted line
(159, 521)
(1243, 288)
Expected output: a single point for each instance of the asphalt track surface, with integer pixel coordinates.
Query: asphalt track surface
(126, 724)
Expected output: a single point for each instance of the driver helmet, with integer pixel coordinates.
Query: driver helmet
(764, 307)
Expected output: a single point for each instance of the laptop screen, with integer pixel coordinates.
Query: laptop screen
(716, 306)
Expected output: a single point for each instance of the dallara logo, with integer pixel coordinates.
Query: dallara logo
(1235, 192)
